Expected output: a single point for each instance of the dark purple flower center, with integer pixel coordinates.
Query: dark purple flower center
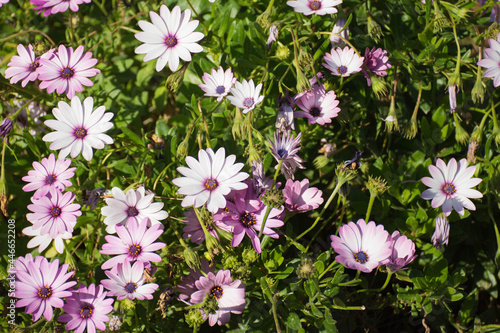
(80, 132)
(50, 179)
(55, 211)
(220, 89)
(248, 220)
(130, 287)
(44, 292)
(67, 73)
(342, 69)
(33, 66)
(282, 153)
(211, 184)
(248, 102)
(217, 292)
(315, 5)
(449, 188)
(86, 311)
(134, 250)
(315, 111)
(132, 211)
(361, 257)
(171, 41)
(209, 227)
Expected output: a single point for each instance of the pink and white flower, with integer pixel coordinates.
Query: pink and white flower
(43, 240)
(343, 62)
(24, 66)
(48, 7)
(319, 7)
(285, 149)
(403, 252)
(218, 83)
(491, 61)
(318, 106)
(245, 95)
(441, 234)
(377, 62)
(299, 197)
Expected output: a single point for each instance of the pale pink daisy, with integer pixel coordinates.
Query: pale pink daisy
(441, 234)
(51, 173)
(187, 288)
(48, 7)
(43, 240)
(218, 83)
(318, 106)
(362, 246)
(319, 7)
(171, 36)
(136, 242)
(245, 95)
(87, 308)
(209, 179)
(403, 252)
(450, 186)
(3, 2)
(126, 281)
(131, 206)
(24, 66)
(299, 197)
(229, 294)
(343, 62)
(491, 61)
(67, 71)
(78, 128)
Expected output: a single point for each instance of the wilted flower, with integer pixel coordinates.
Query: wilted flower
(285, 149)
(403, 252)
(299, 197)
(491, 61)
(218, 83)
(452, 94)
(341, 29)
(343, 62)
(115, 322)
(245, 95)
(273, 36)
(5, 127)
(284, 119)
(93, 197)
(441, 233)
(377, 62)
(260, 182)
(319, 7)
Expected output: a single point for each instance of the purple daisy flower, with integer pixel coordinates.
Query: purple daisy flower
(403, 252)
(171, 36)
(245, 95)
(135, 243)
(78, 128)
(343, 62)
(21, 263)
(318, 106)
(491, 61)
(41, 285)
(362, 246)
(441, 234)
(51, 173)
(48, 7)
(299, 197)
(67, 71)
(131, 206)
(54, 213)
(127, 281)
(450, 186)
(319, 7)
(209, 179)
(218, 83)
(230, 296)
(377, 62)
(285, 148)
(24, 66)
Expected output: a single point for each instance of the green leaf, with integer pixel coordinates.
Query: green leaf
(293, 321)
(132, 136)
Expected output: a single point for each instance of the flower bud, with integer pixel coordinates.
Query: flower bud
(478, 90)
(379, 86)
(306, 268)
(264, 20)
(273, 198)
(194, 318)
(376, 186)
(249, 255)
(339, 29)
(192, 259)
(461, 135)
(282, 52)
(174, 80)
(305, 59)
(374, 29)
(5, 127)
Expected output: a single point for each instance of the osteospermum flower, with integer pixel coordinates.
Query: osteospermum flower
(209, 179)
(343, 62)
(450, 186)
(133, 205)
(48, 7)
(51, 173)
(403, 252)
(135, 243)
(171, 36)
(318, 106)
(245, 95)
(127, 281)
(43, 240)
(24, 66)
(299, 197)
(54, 213)
(187, 288)
(87, 308)
(319, 7)
(67, 71)
(229, 294)
(285, 149)
(362, 246)
(491, 61)
(441, 234)
(218, 83)
(41, 285)
(78, 129)
(377, 62)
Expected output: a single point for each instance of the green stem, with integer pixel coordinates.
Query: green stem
(28, 31)
(389, 275)
(178, 235)
(327, 269)
(275, 314)
(348, 308)
(198, 17)
(370, 205)
(268, 211)
(494, 116)
(497, 232)
(204, 123)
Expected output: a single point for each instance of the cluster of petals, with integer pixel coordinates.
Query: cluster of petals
(319, 7)
(343, 62)
(171, 36)
(245, 95)
(48, 7)
(87, 309)
(377, 62)
(209, 179)
(188, 287)
(229, 294)
(128, 281)
(218, 83)
(491, 61)
(284, 119)
(450, 186)
(25, 65)
(403, 252)
(318, 106)
(135, 205)
(41, 285)
(78, 128)
(441, 232)
(67, 71)
(285, 149)
(299, 197)
(339, 29)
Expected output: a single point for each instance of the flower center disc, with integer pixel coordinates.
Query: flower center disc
(171, 41)
(134, 250)
(217, 292)
(130, 287)
(80, 132)
(361, 257)
(248, 102)
(132, 211)
(342, 69)
(315, 5)
(86, 312)
(315, 112)
(449, 189)
(50, 179)
(211, 184)
(55, 211)
(282, 152)
(209, 227)
(220, 89)
(33, 66)
(67, 73)
(248, 220)
(44, 292)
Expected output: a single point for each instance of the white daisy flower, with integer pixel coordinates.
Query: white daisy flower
(319, 7)
(343, 62)
(218, 84)
(78, 129)
(491, 61)
(171, 36)
(245, 95)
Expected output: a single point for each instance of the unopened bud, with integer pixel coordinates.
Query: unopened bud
(282, 52)
(374, 29)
